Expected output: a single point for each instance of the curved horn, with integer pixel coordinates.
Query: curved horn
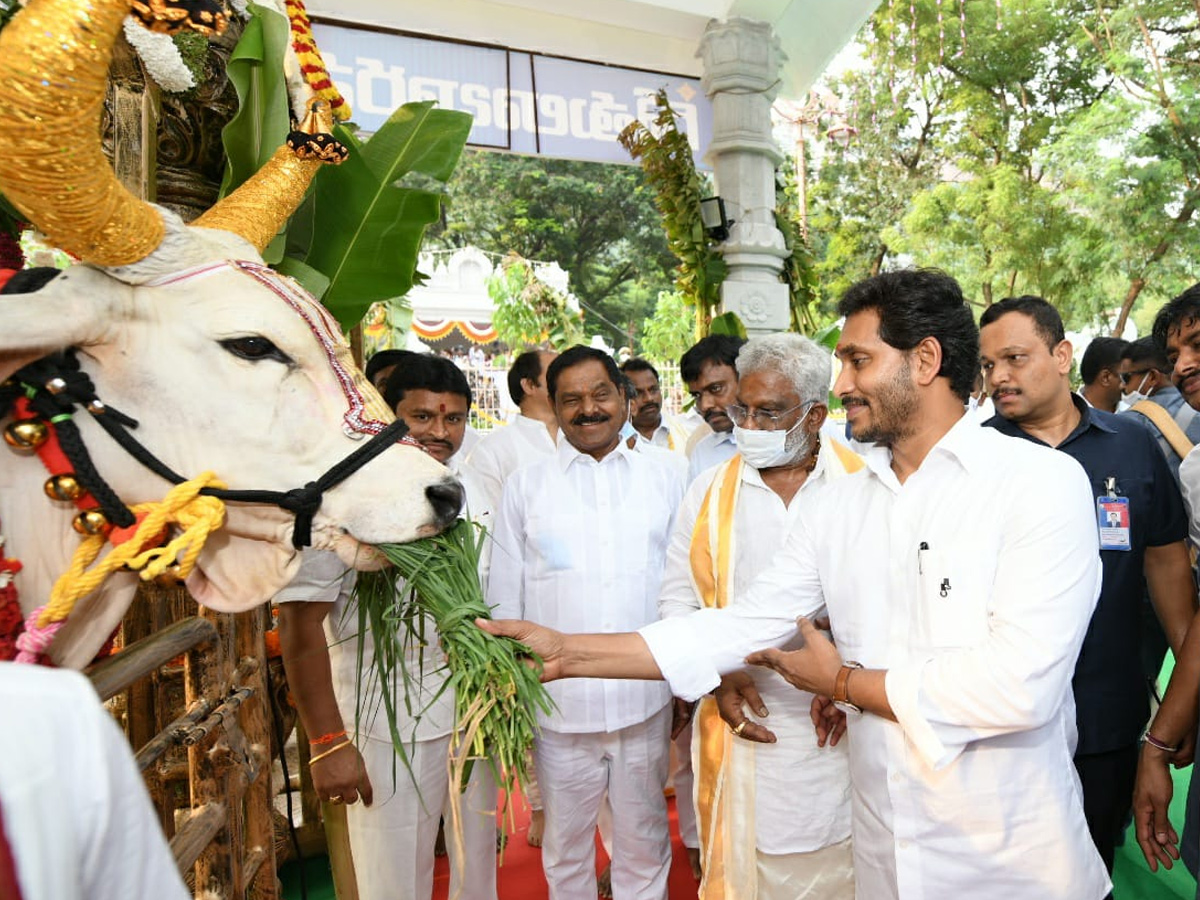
(54, 58)
(262, 204)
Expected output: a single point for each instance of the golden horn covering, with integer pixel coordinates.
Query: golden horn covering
(54, 58)
(261, 205)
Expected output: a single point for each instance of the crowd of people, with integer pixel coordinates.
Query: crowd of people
(910, 656)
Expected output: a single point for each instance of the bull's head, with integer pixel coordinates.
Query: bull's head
(226, 365)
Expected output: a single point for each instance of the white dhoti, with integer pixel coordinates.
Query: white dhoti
(575, 770)
(825, 874)
(392, 840)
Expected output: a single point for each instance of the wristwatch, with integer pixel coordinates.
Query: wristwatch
(841, 698)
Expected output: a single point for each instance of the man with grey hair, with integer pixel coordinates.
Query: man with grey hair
(755, 840)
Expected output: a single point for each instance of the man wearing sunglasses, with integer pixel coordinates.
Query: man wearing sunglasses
(1157, 403)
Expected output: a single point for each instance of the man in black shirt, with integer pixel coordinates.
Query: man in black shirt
(1142, 529)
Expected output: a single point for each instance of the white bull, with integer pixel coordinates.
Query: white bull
(225, 366)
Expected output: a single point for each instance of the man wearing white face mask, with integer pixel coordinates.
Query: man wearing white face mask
(1151, 398)
(755, 839)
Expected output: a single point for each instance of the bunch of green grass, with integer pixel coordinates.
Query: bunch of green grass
(495, 680)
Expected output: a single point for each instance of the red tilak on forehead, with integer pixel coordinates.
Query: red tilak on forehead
(441, 407)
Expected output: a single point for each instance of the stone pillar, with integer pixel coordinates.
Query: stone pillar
(742, 59)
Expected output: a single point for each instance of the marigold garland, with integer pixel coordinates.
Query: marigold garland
(312, 66)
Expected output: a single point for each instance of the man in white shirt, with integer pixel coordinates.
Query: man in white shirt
(733, 523)
(646, 414)
(340, 701)
(530, 435)
(580, 543)
(75, 820)
(960, 571)
(709, 369)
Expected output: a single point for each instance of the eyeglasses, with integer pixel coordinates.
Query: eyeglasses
(764, 420)
(1126, 377)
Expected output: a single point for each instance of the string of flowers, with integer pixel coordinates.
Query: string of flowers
(312, 66)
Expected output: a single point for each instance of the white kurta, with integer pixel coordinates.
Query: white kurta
(393, 840)
(76, 813)
(504, 450)
(579, 545)
(973, 584)
(795, 766)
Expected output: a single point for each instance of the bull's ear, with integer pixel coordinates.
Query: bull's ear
(76, 307)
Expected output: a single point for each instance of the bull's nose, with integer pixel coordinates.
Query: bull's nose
(446, 498)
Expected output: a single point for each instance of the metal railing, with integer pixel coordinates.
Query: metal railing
(492, 407)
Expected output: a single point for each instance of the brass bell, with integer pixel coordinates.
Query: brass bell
(56, 385)
(90, 521)
(27, 434)
(64, 487)
(170, 577)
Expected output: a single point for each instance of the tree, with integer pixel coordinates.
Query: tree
(597, 221)
(528, 311)
(671, 330)
(1054, 152)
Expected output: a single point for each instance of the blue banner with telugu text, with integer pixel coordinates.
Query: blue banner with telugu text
(522, 102)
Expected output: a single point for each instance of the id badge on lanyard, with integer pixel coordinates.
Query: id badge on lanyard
(1112, 513)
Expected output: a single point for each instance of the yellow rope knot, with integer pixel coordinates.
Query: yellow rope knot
(195, 516)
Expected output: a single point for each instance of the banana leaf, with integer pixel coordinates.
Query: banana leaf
(362, 224)
(263, 118)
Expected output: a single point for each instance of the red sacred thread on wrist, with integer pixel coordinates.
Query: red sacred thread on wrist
(327, 738)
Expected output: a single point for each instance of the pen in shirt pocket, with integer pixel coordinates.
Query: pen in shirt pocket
(921, 548)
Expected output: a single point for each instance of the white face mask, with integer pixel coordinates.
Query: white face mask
(768, 449)
(628, 431)
(1135, 396)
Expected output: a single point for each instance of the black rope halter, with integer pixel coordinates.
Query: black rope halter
(57, 387)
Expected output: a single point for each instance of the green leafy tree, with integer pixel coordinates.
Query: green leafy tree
(529, 311)
(666, 158)
(597, 221)
(671, 330)
(1055, 152)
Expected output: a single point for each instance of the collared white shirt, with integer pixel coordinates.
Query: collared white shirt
(710, 450)
(504, 450)
(795, 766)
(671, 434)
(973, 584)
(660, 438)
(579, 546)
(323, 578)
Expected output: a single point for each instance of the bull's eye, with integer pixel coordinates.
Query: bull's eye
(255, 348)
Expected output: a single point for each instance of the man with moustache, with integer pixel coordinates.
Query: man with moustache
(1027, 362)
(339, 698)
(646, 414)
(960, 571)
(580, 543)
(1171, 737)
(709, 369)
(733, 522)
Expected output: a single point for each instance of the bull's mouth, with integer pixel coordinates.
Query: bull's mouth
(357, 555)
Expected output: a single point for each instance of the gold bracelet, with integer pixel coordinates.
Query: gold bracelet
(321, 756)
